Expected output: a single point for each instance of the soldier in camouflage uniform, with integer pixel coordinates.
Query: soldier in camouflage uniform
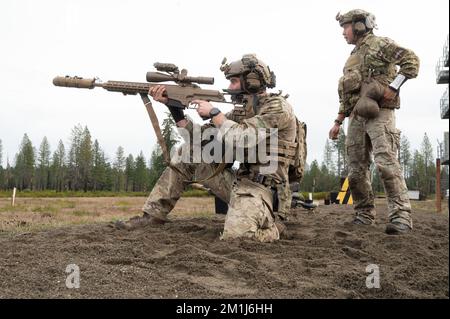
(369, 95)
(248, 192)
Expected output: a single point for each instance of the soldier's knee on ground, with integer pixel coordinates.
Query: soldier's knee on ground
(249, 217)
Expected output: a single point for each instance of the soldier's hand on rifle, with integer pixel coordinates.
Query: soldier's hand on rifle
(204, 107)
(157, 93)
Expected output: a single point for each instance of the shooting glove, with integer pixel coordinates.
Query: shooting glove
(176, 111)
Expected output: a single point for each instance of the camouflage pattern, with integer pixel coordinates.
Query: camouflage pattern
(284, 194)
(374, 58)
(273, 112)
(250, 64)
(171, 185)
(297, 170)
(250, 204)
(380, 136)
(250, 213)
(357, 15)
(238, 114)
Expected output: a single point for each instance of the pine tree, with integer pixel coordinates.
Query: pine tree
(119, 170)
(140, 173)
(430, 166)
(86, 159)
(311, 176)
(326, 181)
(129, 173)
(99, 170)
(405, 155)
(168, 132)
(418, 175)
(157, 164)
(157, 167)
(25, 163)
(43, 165)
(58, 167)
(73, 160)
(9, 176)
(328, 158)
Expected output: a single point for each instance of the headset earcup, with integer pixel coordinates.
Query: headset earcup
(252, 82)
(359, 28)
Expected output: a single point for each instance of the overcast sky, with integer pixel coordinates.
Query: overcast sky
(120, 40)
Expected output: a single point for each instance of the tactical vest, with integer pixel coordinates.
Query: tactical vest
(291, 154)
(287, 149)
(240, 113)
(366, 62)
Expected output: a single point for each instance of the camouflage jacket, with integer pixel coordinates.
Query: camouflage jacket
(272, 112)
(374, 58)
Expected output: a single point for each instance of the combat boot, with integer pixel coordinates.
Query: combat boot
(139, 222)
(397, 228)
(281, 227)
(364, 217)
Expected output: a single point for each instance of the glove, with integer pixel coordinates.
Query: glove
(176, 111)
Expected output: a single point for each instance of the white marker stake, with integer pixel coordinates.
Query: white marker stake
(14, 196)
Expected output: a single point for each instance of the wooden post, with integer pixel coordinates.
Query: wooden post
(13, 197)
(438, 185)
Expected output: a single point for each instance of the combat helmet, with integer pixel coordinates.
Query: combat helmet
(362, 21)
(255, 75)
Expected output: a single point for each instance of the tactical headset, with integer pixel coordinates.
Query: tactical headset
(359, 24)
(251, 80)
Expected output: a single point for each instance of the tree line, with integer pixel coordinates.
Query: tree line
(82, 166)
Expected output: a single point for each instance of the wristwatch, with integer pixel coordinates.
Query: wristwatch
(214, 111)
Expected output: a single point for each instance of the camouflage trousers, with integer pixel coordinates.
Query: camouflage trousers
(250, 204)
(379, 137)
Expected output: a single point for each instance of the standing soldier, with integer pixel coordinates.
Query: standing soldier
(368, 95)
(249, 192)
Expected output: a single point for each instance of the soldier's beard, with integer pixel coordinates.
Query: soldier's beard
(237, 96)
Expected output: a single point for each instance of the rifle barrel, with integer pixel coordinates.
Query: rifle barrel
(182, 94)
(74, 82)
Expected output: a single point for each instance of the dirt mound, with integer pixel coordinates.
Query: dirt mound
(322, 256)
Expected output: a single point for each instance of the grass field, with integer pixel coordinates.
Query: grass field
(31, 214)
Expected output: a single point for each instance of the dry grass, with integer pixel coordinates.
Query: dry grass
(33, 214)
